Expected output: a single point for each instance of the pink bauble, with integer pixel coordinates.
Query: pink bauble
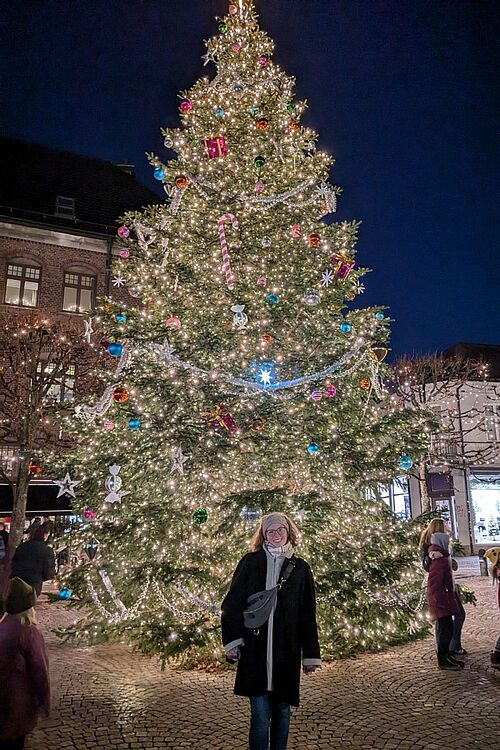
(124, 253)
(236, 47)
(259, 187)
(123, 231)
(295, 231)
(108, 425)
(263, 61)
(89, 513)
(316, 395)
(262, 281)
(186, 105)
(173, 323)
(330, 391)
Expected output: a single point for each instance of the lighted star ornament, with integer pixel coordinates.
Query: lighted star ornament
(66, 486)
(118, 281)
(265, 376)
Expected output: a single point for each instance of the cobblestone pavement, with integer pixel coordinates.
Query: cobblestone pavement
(108, 697)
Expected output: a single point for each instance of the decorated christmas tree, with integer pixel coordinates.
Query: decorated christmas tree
(245, 380)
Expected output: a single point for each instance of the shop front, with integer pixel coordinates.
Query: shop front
(485, 507)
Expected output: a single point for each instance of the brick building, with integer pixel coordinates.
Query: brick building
(58, 218)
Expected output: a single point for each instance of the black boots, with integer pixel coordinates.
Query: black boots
(448, 662)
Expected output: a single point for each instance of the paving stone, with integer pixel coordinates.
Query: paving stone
(110, 698)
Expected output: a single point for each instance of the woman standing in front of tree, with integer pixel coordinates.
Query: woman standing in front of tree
(270, 656)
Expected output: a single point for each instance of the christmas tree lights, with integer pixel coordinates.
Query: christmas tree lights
(242, 383)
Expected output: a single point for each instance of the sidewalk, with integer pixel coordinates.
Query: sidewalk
(108, 697)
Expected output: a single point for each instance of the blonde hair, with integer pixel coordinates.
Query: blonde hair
(28, 617)
(436, 525)
(258, 539)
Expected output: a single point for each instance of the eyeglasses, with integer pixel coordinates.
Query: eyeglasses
(276, 532)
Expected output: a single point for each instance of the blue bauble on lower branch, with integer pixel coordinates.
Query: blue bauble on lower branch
(313, 448)
(65, 593)
(115, 349)
(134, 423)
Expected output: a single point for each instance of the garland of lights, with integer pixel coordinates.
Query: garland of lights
(397, 599)
(165, 353)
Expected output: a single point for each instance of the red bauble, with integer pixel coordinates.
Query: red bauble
(120, 394)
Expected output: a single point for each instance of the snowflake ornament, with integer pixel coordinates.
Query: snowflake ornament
(326, 277)
(118, 281)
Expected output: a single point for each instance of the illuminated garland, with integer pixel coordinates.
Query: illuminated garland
(164, 353)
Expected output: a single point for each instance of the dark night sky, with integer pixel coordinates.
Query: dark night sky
(401, 92)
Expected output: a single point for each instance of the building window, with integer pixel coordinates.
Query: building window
(65, 207)
(22, 285)
(9, 460)
(79, 292)
(396, 496)
(492, 421)
(63, 388)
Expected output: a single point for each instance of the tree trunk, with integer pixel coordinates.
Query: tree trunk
(20, 492)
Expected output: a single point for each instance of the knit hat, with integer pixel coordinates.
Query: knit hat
(20, 597)
(271, 518)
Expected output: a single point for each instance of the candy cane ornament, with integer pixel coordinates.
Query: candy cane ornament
(226, 264)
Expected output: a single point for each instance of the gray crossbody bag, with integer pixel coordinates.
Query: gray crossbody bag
(260, 605)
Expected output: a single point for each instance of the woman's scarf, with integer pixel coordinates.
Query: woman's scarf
(285, 551)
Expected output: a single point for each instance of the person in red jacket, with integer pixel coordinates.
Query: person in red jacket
(24, 668)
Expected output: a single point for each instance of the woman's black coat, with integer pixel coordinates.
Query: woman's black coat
(295, 632)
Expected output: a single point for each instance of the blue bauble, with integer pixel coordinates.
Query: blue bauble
(219, 112)
(345, 327)
(115, 349)
(134, 423)
(158, 174)
(120, 317)
(380, 315)
(405, 462)
(273, 299)
(251, 513)
(65, 594)
(254, 111)
(313, 448)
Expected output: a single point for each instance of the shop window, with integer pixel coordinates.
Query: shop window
(485, 507)
(79, 292)
(22, 285)
(63, 387)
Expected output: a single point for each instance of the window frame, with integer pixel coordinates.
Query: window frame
(22, 278)
(79, 286)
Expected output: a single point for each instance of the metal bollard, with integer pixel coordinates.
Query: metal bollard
(483, 563)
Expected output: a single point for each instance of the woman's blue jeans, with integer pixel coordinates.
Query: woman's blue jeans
(269, 723)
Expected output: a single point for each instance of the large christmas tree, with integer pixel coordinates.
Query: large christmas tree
(245, 381)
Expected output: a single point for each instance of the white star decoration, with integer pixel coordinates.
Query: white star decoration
(265, 376)
(207, 57)
(118, 281)
(88, 330)
(66, 486)
(178, 461)
(326, 277)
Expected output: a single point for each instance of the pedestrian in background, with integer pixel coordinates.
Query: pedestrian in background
(34, 560)
(24, 672)
(493, 555)
(269, 657)
(4, 534)
(442, 599)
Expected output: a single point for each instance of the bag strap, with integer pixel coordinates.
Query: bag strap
(286, 575)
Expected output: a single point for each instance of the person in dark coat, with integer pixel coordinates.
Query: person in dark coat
(24, 671)
(4, 534)
(270, 657)
(34, 560)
